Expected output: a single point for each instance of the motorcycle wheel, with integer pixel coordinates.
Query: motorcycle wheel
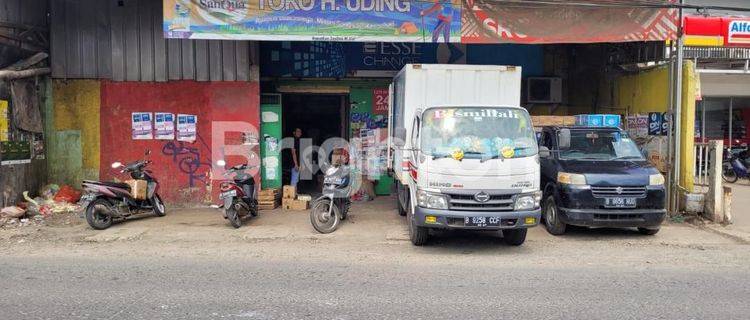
(233, 217)
(254, 208)
(159, 209)
(98, 214)
(321, 220)
(728, 174)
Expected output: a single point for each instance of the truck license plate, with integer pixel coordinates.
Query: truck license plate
(481, 221)
(619, 202)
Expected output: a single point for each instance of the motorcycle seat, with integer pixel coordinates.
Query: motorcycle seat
(121, 185)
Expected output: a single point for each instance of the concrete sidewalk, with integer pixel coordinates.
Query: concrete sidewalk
(740, 227)
(374, 222)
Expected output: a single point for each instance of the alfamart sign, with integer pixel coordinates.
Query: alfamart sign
(467, 21)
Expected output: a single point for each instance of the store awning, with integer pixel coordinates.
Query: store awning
(465, 21)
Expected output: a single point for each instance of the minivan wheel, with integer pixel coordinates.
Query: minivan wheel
(552, 221)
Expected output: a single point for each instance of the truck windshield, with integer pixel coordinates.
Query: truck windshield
(478, 132)
(601, 145)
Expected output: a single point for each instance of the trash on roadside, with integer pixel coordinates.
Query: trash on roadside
(67, 194)
(13, 212)
(49, 191)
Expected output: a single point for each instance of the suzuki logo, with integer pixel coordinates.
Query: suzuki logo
(618, 190)
(482, 197)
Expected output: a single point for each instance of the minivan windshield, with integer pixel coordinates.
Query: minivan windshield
(601, 145)
(478, 132)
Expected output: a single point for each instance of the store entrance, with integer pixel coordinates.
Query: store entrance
(320, 117)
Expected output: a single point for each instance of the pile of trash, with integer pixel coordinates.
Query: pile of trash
(52, 200)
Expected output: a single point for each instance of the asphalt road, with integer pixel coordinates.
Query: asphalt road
(213, 288)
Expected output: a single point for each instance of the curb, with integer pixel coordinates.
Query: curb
(738, 236)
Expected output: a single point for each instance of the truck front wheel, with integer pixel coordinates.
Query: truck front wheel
(514, 237)
(418, 235)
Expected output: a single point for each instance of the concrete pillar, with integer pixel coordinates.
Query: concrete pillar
(714, 204)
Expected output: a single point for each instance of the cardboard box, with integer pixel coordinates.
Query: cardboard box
(543, 121)
(138, 188)
(294, 204)
(290, 192)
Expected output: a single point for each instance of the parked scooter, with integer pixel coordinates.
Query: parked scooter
(238, 195)
(333, 206)
(735, 165)
(107, 201)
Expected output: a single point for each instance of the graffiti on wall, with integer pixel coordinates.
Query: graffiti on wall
(189, 160)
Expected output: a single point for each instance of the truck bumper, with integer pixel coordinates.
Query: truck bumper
(446, 219)
(636, 218)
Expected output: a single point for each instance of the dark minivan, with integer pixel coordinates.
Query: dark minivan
(597, 177)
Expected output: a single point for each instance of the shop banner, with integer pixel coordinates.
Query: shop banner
(466, 21)
(318, 20)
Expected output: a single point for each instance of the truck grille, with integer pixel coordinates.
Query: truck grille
(605, 192)
(466, 202)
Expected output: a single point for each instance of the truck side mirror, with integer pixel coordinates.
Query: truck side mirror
(563, 139)
(544, 152)
(399, 137)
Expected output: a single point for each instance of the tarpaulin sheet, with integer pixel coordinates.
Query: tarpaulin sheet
(466, 21)
(491, 21)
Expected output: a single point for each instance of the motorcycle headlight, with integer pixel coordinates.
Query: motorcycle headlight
(431, 200)
(656, 179)
(571, 178)
(528, 201)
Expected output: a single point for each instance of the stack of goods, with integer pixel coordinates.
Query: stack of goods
(269, 199)
(293, 201)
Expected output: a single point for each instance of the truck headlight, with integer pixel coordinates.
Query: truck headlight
(571, 178)
(656, 179)
(431, 200)
(528, 201)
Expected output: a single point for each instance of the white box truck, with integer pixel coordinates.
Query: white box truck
(463, 151)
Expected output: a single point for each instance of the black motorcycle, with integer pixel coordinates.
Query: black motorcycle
(106, 201)
(238, 195)
(328, 210)
(735, 165)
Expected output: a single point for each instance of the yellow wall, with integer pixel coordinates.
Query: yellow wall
(648, 91)
(75, 113)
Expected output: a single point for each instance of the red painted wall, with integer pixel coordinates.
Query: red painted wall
(182, 168)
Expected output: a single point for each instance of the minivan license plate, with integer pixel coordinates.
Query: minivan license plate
(619, 202)
(481, 221)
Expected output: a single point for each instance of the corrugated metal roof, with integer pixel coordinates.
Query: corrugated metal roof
(103, 39)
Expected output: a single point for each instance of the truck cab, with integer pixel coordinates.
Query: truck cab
(472, 167)
(597, 177)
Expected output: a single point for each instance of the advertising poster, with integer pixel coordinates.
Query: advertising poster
(141, 125)
(380, 101)
(164, 123)
(187, 127)
(655, 120)
(444, 21)
(4, 121)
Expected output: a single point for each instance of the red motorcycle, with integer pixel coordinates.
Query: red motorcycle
(238, 195)
(106, 201)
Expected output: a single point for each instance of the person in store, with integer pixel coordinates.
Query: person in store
(296, 159)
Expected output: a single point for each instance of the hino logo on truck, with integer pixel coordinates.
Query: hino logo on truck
(482, 197)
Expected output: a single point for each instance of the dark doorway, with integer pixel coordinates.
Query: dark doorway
(320, 116)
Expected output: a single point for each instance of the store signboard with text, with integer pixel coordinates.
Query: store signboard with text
(445, 21)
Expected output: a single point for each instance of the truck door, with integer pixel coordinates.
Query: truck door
(414, 150)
